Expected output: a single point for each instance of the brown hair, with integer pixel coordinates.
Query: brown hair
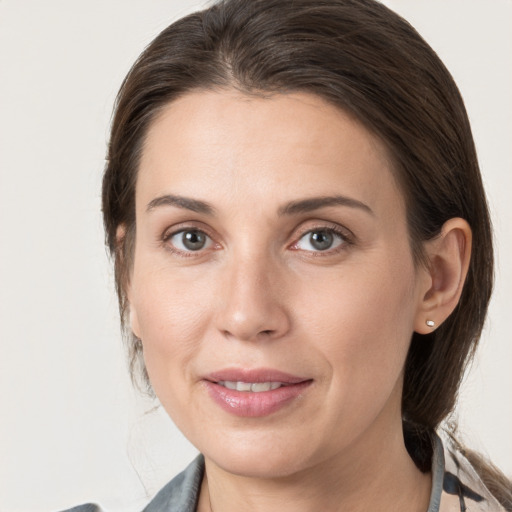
(365, 59)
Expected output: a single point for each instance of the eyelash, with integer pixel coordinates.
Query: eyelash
(168, 235)
(344, 235)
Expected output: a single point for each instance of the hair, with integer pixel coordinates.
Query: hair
(366, 60)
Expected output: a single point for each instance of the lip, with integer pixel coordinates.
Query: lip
(249, 404)
(254, 375)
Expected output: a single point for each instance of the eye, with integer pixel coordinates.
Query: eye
(190, 240)
(320, 240)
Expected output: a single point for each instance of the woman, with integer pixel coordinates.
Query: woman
(303, 257)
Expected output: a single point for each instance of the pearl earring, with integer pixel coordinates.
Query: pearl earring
(430, 323)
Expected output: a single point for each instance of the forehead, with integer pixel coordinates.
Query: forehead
(224, 143)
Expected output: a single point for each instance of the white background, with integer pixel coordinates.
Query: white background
(71, 427)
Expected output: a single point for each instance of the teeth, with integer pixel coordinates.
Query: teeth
(261, 386)
(243, 386)
(255, 387)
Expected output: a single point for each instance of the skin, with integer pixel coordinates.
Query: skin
(259, 294)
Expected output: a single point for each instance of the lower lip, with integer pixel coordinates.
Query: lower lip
(252, 405)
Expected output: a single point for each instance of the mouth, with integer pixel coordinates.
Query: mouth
(254, 393)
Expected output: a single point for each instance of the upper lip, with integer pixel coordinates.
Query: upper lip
(253, 375)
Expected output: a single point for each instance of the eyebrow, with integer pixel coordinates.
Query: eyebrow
(185, 203)
(292, 208)
(315, 203)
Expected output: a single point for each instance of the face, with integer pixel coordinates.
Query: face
(273, 285)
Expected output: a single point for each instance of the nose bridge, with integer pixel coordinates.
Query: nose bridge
(252, 305)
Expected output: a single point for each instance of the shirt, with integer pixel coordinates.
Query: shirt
(456, 487)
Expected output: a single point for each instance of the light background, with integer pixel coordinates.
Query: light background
(71, 427)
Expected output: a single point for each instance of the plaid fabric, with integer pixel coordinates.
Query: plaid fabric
(462, 489)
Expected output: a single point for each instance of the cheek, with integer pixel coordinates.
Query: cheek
(172, 319)
(364, 324)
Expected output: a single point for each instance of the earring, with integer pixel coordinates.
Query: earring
(430, 323)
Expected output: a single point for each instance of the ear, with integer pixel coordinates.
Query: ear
(134, 320)
(127, 288)
(448, 255)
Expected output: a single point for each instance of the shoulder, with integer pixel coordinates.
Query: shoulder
(179, 495)
(87, 507)
(462, 487)
(182, 492)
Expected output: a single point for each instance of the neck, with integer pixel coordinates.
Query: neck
(375, 473)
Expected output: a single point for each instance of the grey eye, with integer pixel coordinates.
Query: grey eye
(190, 240)
(320, 240)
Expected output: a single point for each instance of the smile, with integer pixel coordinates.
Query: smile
(253, 393)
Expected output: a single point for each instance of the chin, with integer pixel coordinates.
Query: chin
(259, 458)
(258, 466)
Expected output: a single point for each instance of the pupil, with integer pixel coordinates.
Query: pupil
(194, 240)
(321, 240)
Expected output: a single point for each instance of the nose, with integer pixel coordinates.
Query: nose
(252, 305)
